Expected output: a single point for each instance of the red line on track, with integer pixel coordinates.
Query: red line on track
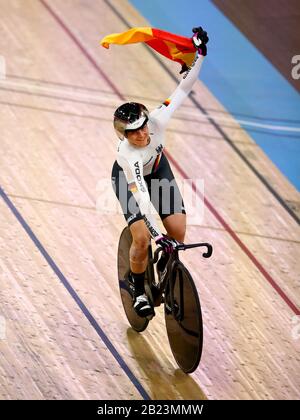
(234, 236)
(82, 49)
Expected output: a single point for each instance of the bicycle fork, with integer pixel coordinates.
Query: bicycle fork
(176, 308)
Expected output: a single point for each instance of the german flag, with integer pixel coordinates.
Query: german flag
(174, 47)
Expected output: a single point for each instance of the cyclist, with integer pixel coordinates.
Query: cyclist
(140, 162)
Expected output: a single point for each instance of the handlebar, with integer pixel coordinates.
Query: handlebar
(183, 247)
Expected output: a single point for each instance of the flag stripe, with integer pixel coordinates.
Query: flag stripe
(134, 35)
(175, 47)
(181, 41)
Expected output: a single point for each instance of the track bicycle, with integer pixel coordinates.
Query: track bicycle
(176, 290)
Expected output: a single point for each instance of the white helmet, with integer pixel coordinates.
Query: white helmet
(130, 116)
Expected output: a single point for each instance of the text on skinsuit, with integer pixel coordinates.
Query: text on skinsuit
(151, 229)
(138, 176)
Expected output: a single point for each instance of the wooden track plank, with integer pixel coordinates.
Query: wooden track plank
(50, 350)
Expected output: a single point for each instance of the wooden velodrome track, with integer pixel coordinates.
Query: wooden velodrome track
(66, 336)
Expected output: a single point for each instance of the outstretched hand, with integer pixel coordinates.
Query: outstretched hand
(200, 39)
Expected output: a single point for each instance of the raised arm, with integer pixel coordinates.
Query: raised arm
(166, 110)
(163, 114)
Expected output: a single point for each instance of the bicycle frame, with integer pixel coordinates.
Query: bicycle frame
(172, 262)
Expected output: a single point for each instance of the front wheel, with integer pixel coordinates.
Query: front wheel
(183, 319)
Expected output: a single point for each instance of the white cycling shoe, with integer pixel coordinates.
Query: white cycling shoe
(142, 306)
